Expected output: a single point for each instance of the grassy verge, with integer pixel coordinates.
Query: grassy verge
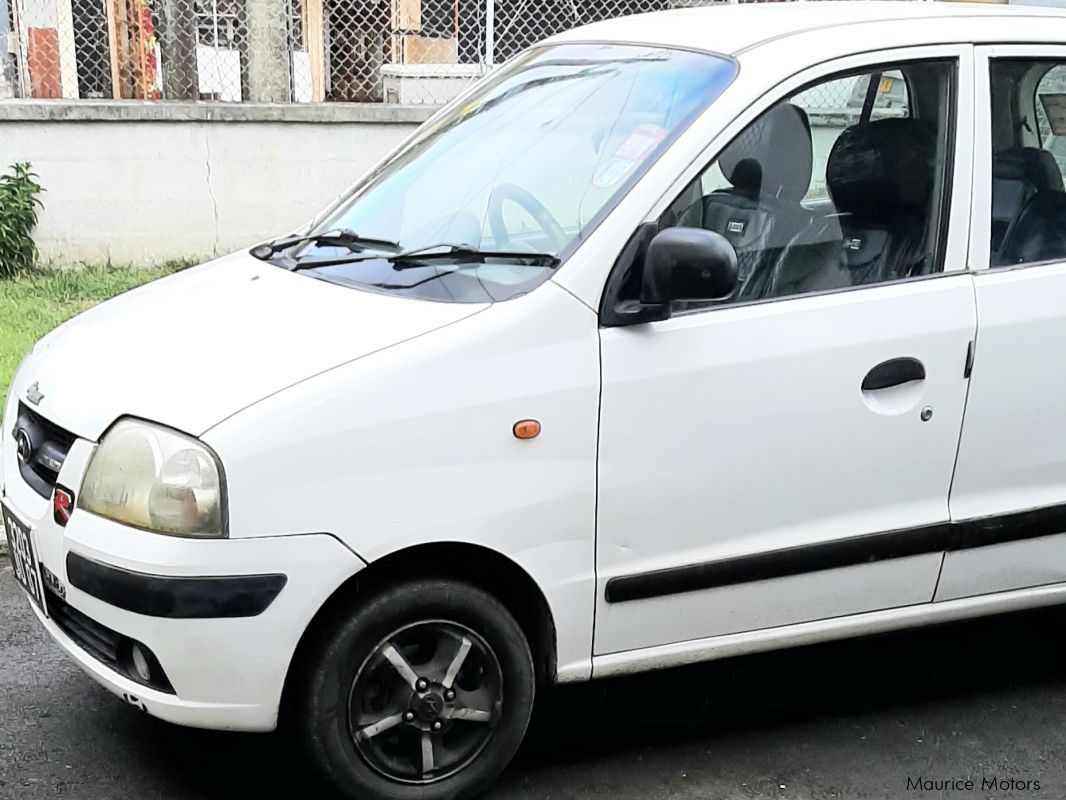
(32, 305)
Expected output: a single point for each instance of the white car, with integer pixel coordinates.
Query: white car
(587, 378)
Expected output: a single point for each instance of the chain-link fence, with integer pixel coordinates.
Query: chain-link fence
(302, 51)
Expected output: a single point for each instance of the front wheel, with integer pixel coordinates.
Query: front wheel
(424, 692)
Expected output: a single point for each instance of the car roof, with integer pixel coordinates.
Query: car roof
(734, 29)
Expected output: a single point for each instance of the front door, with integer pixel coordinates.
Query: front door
(786, 455)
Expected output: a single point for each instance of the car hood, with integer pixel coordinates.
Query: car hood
(196, 347)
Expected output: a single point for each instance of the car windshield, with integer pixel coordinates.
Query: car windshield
(529, 163)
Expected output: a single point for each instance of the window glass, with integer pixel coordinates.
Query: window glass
(833, 187)
(529, 163)
(831, 107)
(834, 106)
(1051, 95)
(1028, 162)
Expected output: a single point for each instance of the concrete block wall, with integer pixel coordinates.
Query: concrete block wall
(141, 183)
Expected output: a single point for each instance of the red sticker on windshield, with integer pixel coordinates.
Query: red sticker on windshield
(640, 143)
(636, 147)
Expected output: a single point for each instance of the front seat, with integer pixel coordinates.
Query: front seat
(1018, 175)
(880, 178)
(769, 167)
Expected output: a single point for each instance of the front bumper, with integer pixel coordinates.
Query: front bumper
(225, 653)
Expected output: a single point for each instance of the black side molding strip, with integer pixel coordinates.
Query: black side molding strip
(853, 551)
(171, 597)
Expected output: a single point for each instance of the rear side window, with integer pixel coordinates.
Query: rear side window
(1028, 161)
(1051, 97)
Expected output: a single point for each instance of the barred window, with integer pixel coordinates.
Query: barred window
(217, 22)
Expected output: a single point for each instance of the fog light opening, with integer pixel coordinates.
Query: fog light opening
(141, 666)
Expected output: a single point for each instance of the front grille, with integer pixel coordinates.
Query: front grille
(105, 645)
(49, 445)
(98, 641)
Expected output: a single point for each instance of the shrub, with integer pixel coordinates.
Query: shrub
(18, 217)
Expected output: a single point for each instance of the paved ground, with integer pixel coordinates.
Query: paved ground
(850, 720)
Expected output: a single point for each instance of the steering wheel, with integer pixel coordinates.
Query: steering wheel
(533, 206)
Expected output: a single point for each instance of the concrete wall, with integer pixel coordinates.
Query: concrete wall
(141, 183)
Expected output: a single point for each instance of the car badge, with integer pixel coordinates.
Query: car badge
(34, 395)
(23, 446)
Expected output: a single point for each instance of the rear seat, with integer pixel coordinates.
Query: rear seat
(1018, 175)
(1038, 234)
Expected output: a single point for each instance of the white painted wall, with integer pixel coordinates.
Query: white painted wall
(141, 192)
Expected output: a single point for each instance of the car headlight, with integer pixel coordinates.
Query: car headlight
(154, 478)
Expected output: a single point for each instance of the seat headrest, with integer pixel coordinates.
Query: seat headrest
(776, 149)
(883, 167)
(1029, 164)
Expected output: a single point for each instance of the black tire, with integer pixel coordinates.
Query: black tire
(350, 672)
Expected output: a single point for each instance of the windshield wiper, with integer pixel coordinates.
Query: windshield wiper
(341, 237)
(412, 259)
(409, 259)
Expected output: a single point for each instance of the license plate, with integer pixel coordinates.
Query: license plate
(23, 558)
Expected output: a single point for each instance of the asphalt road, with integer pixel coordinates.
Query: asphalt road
(984, 700)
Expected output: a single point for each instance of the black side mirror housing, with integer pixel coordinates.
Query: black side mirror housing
(688, 264)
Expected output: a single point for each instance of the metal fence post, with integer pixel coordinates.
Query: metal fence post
(177, 45)
(5, 72)
(490, 32)
(267, 51)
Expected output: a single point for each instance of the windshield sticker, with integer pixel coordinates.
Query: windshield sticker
(1055, 108)
(631, 152)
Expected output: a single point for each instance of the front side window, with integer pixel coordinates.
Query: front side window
(1028, 161)
(528, 164)
(843, 184)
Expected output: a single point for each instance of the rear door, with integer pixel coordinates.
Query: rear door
(1008, 499)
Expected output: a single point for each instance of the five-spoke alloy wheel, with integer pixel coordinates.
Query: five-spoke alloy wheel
(424, 691)
(423, 704)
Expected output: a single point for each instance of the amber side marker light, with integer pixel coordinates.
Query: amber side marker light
(526, 429)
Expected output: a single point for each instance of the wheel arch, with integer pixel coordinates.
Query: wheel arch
(481, 566)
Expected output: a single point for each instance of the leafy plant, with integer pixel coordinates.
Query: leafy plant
(18, 217)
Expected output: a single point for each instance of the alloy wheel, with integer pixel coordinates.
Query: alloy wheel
(425, 702)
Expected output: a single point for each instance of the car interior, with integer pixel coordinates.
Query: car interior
(815, 196)
(769, 170)
(1028, 198)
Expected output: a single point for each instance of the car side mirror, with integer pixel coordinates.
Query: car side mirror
(688, 264)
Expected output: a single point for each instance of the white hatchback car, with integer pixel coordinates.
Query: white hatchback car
(635, 355)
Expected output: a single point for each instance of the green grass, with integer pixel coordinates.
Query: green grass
(33, 304)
